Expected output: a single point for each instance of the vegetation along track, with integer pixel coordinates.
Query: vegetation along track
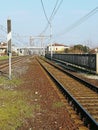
(83, 99)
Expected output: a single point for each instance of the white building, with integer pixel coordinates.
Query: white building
(56, 48)
(3, 48)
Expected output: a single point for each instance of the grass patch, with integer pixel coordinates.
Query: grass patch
(13, 109)
(58, 105)
(3, 57)
(6, 83)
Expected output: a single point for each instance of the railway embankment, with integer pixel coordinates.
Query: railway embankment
(31, 101)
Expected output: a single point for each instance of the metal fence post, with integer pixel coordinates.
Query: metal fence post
(96, 63)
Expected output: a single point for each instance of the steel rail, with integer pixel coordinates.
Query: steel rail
(14, 61)
(88, 120)
(87, 84)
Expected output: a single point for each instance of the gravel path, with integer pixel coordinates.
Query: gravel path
(31, 101)
(49, 110)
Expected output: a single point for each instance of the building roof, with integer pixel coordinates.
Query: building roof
(57, 44)
(3, 45)
(94, 50)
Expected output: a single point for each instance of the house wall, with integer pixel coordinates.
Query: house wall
(56, 48)
(2, 51)
(3, 48)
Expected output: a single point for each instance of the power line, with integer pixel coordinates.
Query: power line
(55, 9)
(45, 12)
(3, 29)
(50, 17)
(80, 21)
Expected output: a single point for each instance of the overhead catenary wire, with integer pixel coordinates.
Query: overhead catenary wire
(49, 22)
(3, 29)
(80, 21)
(45, 12)
(55, 9)
(50, 16)
(17, 37)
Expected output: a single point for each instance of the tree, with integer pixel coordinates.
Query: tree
(82, 49)
(78, 49)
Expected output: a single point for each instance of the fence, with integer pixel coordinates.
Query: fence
(87, 61)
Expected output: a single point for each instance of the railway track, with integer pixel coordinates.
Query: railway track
(5, 63)
(82, 96)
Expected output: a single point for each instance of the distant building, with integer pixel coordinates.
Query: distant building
(3, 48)
(56, 48)
(94, 51)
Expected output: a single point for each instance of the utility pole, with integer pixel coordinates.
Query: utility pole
(42, 45)
(31, 41)
(9, 51)
(51, 39)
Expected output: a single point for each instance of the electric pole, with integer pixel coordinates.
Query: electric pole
(51, 39)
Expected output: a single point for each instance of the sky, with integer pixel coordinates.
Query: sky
(28, 19)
